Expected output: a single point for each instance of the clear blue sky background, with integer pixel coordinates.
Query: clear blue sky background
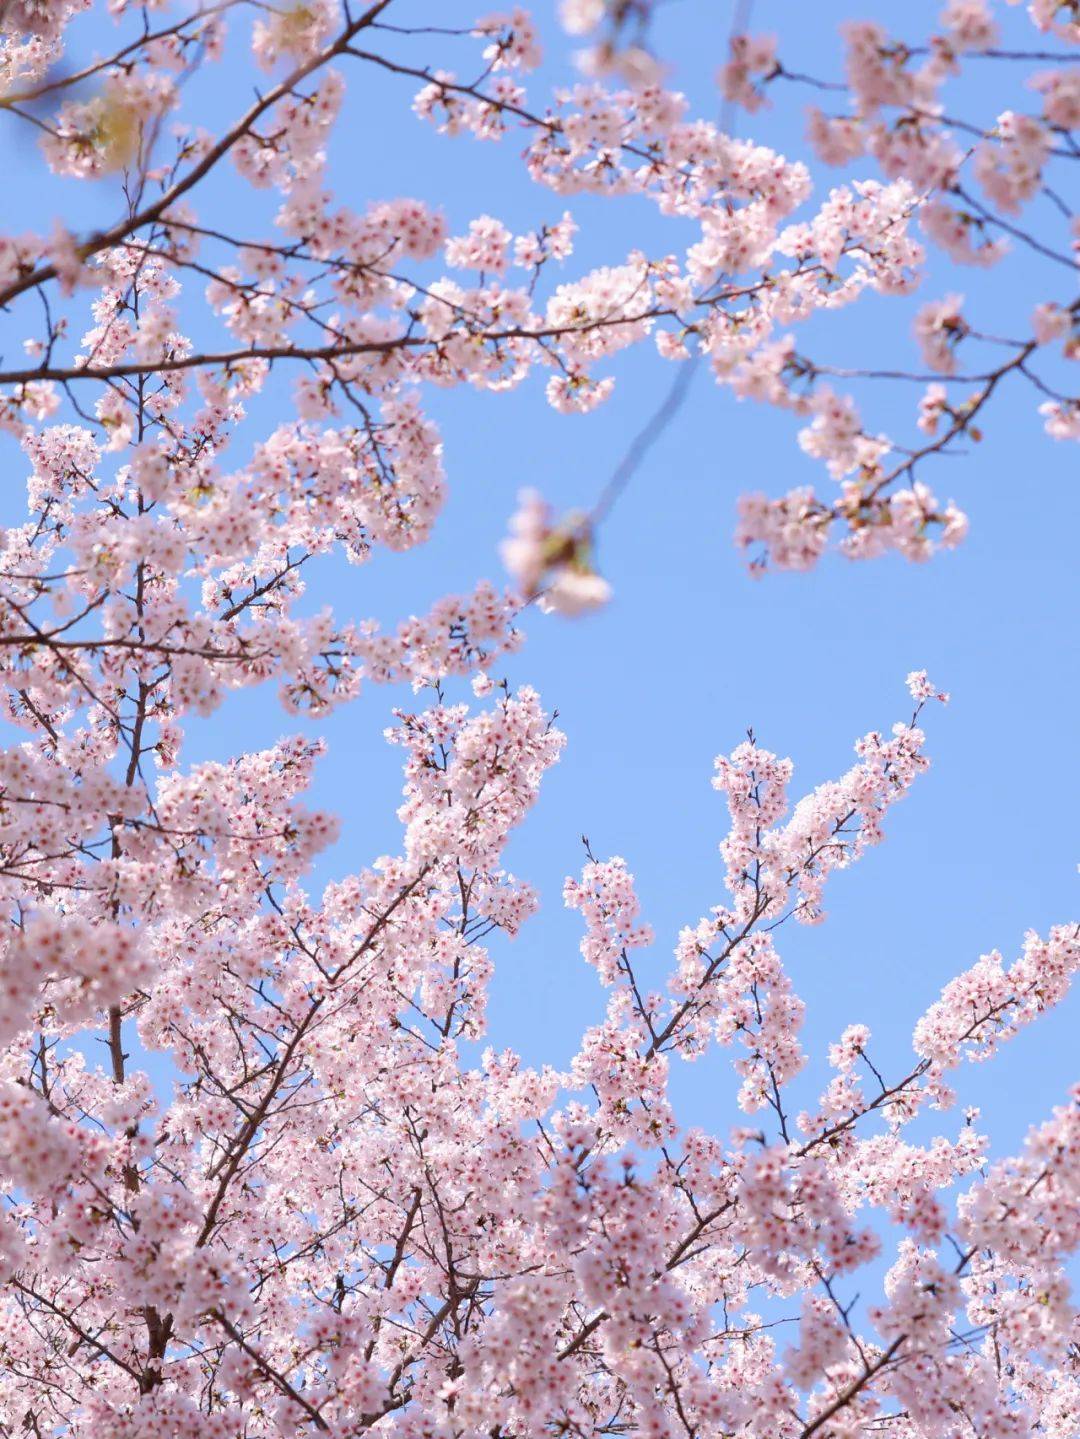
(692, 650)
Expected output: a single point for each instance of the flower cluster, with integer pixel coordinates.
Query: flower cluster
(552, 560)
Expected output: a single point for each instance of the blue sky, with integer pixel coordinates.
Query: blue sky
(693, 650)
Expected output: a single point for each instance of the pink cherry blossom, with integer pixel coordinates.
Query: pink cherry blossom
(265, 1173)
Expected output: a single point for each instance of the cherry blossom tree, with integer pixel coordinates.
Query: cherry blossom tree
(342, 1211)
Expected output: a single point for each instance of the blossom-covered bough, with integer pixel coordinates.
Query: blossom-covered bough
(986, 185)
(259, 1176)
(351, 302)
